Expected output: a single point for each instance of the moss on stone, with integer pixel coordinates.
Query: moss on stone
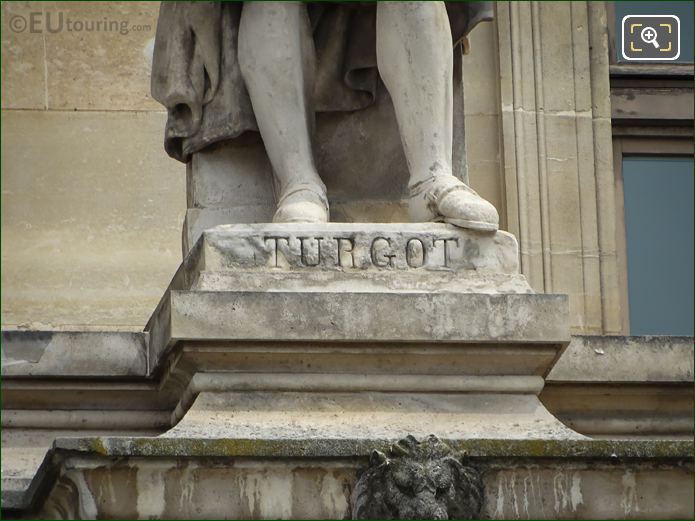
(311, 448)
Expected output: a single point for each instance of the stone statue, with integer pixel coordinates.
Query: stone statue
(420, 480)
(226, 69)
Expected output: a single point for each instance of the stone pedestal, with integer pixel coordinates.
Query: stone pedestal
(357, 331)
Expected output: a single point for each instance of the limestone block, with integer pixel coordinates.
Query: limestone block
(378, 211)
(104, 69)
(634, 410)
(558, 175)
(67, 55)
(351, 257)
(463, 374)
(363, 286)
(569, 479)
(572, 491)
(480, 71)
(23, 456)
(200, 219)
(359, 155)
(370, 247)
(23, 74)
(227, 184)
(624, 386)
(336, 281)
(558, 73)
(486, 176)
(626, 359)
(229, 176)
(452, 414)
(91, 234)
(367, 316)
(483, 158)
(82, 354)
(402, 316)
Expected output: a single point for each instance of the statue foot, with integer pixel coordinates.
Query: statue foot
(303, 204)
(446, 198)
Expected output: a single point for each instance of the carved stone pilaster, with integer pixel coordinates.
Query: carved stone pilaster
(557, 155)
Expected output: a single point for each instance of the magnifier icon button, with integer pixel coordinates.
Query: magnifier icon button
(648, 35)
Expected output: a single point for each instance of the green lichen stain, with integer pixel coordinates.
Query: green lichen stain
(642, 449)
(97, 445)
(200, 447)
(292, 448)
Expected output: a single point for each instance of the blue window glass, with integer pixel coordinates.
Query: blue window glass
(659, 235)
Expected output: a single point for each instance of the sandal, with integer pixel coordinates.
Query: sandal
(446, 198)
(302, 203)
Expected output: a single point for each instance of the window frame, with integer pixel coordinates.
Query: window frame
(631, 146)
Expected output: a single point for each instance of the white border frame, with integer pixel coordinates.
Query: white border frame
(622, 37)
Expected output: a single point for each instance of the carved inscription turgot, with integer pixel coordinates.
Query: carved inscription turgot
(360, 252)
(347, 247)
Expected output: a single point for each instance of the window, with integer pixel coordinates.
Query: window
(658, 202)
(652, 122)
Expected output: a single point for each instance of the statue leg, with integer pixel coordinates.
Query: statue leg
(277, 61)
(415, 60)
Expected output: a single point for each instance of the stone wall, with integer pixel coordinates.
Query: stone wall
(248, 488)
(91, 205)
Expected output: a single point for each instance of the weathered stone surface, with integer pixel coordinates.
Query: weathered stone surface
(83, 354)
(55, 55)
(665, 450)
(624, 386)
(343, 289)
(111, 66)
(346, 247)
(373, 281)
(325, 413)
(343, 282)
(410, 384)
(23, 65)
(25, 455)
(660, 408)
(558, 173)
(628, 409)
(90, 234)
(356, 317)
(369, 316)
(346, 258)
(628, 359)
(212, 479)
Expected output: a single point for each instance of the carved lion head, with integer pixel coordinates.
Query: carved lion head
(417, 480)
